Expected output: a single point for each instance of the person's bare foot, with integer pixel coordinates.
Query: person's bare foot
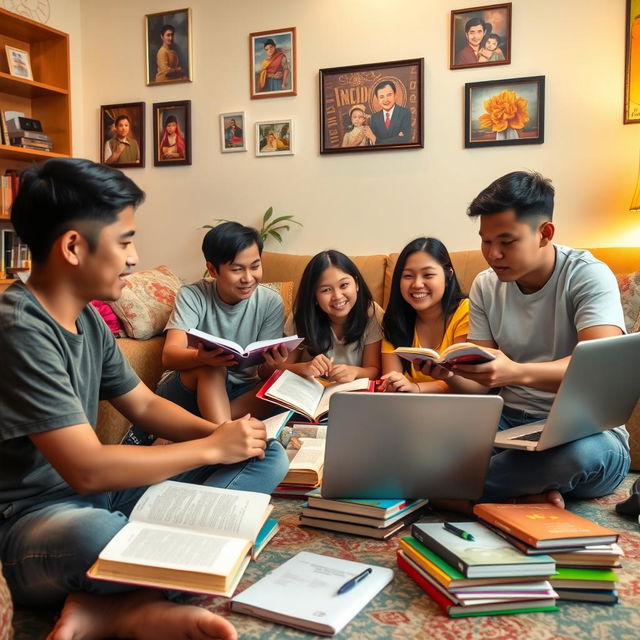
(139, 615)
(554, 497)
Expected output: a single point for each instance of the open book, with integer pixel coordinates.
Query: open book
(248, 356)
(459, 353)
(307, 396)
(187, 537)
(305, 450)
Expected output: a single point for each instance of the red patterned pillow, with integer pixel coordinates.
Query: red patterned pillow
(146, 302)
(109, 317)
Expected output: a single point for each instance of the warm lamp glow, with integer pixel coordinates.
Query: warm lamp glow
(635, 201)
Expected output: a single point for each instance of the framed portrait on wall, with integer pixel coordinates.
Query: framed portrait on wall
(274, 138)
(480, 36)
(273, 63)
(233, 135)
(122, 134)
(172, 133)
(168, 46)
(504, 112)
(632, 64)
(372, 107)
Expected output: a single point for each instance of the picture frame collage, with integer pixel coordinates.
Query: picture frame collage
(362, 108)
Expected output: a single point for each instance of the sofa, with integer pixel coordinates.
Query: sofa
(145, 355)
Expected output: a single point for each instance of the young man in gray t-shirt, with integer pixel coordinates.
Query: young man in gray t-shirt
(234, 306)
(534, 304)
(63, 493)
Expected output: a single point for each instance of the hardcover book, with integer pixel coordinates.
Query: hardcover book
(188, 537)
(459, 353)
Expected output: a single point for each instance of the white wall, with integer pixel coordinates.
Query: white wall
(369, 202)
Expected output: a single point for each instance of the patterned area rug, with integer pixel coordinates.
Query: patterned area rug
(402, 611)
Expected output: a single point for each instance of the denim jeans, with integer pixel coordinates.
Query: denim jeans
(46, 551)
(587, 468)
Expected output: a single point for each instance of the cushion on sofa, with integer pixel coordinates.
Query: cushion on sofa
(285, 289)
(111, 319)
(629, 284)
(146, 302)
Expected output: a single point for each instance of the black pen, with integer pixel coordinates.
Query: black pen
(349, 584)
(458, 532)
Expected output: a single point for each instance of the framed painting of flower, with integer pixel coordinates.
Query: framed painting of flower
(504, 112)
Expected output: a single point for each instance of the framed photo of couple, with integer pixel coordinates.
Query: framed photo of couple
(480, 36)
(372, 107)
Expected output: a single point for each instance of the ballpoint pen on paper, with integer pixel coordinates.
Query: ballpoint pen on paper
(349, 584)
(458, 532)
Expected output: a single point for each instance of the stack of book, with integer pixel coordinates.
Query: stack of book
(30, 140)
(371, 518)
(304, 443)
(586, 554)
(478, 574)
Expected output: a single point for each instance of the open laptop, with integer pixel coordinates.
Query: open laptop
(399, 445)
(599, 391)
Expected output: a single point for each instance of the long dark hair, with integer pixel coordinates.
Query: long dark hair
(399, 320)
(311, 321)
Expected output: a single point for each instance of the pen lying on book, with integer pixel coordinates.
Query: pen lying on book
(458, 532)
(349, 584)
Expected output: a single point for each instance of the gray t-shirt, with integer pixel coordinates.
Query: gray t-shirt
(543, 326)
(49, 378)
(259, 317)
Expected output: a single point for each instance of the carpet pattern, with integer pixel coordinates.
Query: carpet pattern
(403, 612)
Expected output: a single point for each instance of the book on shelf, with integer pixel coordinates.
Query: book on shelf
(340, 516)
(308, 396)
(30, 135)
(31, 143)
(188, 537)
(249, 356)
(452, 606)
(381, 509)
(448, 576)
(303, 593)
(459, 353)
(379, 533)
(3, 126)
(487, 556)
(580, 578)
(600, 596)
(543, 525)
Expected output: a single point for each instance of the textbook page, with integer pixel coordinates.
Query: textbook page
(359, 384)
(305, 392)
(310, 455)
(239, 514)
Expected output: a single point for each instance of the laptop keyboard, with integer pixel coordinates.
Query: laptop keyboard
(534, 437)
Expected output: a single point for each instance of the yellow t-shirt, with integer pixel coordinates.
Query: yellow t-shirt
(458, 326)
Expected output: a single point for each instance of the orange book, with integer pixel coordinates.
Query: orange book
(543, 525)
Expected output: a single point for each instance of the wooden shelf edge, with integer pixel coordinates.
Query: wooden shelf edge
(19, 153)
(26, 87)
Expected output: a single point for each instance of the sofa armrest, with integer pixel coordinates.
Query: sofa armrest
(145, 356)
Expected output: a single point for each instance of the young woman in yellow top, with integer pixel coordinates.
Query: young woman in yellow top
(426, 309)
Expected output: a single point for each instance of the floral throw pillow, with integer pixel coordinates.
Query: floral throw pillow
(146, 302)
(285, 289)
(629, 284)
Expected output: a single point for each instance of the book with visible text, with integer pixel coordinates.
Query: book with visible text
(188, 537)
(248, 356)
(307, 396)
(543, 525)
(303, 593)
(459, 353)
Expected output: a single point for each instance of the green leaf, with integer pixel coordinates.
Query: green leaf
(282, 226)
(276, 235)
(267, 215)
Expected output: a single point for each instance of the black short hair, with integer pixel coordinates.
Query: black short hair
(61, 192)
(223, 243)
(527, 193)
(474, 22)
(122, 116)
(268, 42)
(382, 85)
(167, 27)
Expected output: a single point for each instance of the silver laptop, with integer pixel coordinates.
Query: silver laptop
(599, 391)
(399, 445)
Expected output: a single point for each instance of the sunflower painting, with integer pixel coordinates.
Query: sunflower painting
(504, 112)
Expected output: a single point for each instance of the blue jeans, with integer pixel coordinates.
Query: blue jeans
(46, 551)
(587, 468)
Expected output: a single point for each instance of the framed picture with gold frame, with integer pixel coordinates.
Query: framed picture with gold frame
(273, 63)
(632, 64)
